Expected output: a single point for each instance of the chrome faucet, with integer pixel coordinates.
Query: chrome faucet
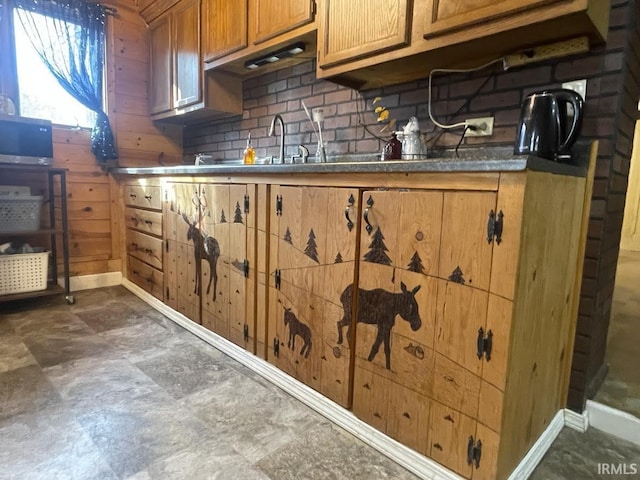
(272, 132)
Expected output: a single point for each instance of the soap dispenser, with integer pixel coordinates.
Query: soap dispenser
(249, 154)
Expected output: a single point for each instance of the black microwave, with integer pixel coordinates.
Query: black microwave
(25, 140)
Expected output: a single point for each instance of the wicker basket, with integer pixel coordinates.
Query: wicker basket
(20, 213)
(24, 272)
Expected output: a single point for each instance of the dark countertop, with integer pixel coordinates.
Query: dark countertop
(493, 159)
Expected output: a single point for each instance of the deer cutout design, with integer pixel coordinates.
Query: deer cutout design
(379, 307)
(205, 248)
(296, 327)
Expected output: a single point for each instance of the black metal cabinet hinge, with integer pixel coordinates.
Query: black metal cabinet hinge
(278, 204)
(494, 227)
(246, 203)
(276, 347)
(278, 279)
(166, 245)
(167, 293)
(245, 268)
(246, 332)
(474, 452)
(484, 344)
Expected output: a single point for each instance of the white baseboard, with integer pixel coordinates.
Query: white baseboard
(418, 464)
(614, 422)
(99, 280)
(576, 421)
(533, 457)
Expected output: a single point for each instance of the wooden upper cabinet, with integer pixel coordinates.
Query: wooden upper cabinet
(160, 88)
(270, 19)
(224, 27)
(449, 15)
(352, 29)
(186, 67)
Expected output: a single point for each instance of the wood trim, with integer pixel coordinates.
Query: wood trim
(437, 181)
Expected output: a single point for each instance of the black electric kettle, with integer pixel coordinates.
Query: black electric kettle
(545, 129)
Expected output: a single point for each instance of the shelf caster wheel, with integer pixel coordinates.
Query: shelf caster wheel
(70, 300)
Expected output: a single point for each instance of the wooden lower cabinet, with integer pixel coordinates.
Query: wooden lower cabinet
(313, 257)
(440, 314)
(207, 260)
(143, 236)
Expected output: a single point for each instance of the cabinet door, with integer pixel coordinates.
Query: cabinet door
(313, 245)
(187, 70)
(182, 279)
(352, 29)
(160, 86)
(465, 255)
(224, 227)
(394, 334)
(224, 27)
(449, 15)
(270, 19)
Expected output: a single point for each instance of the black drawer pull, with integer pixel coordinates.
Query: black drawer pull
(148, 197)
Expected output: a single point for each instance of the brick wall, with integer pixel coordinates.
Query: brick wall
(610, 109)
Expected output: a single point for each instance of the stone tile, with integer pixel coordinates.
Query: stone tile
(25, 390)
(254, 419)
(328, 452)
(88, 299)
(87, 383)
(52, 349)
(146, 341)
(211, 460)
(49, 322)
(14, 353)
(5, 326)
(113, 315)
(188, 369)
(135, 433)
(49, 444)
(576, 455)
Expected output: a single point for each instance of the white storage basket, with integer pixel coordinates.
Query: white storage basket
(20, 213)
(23, 272)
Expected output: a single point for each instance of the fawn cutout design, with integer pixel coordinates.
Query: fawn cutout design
(296, 327)
(380, 307)
(207, 248)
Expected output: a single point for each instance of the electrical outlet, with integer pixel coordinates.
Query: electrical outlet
(484, 127)
(579, 86)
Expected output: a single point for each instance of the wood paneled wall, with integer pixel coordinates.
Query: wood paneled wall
(94, 214)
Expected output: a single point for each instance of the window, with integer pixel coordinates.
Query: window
(41, 96)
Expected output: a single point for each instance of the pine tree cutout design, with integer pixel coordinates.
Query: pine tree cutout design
(338, 258)
(287, 236)
(223, 218)
(377, 250)
(457, 276)
(415, 265)
(311, 250)
(238, 214)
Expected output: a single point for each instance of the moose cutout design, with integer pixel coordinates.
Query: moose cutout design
(207, 248)
(296, 327)
(379, 307)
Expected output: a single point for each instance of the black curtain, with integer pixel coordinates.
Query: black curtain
(71, 42)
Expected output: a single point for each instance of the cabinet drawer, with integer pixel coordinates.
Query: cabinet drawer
(145, 248)
(145, 276)
(144, 197)
(144, 220)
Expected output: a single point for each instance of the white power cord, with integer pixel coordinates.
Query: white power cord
(453, 70)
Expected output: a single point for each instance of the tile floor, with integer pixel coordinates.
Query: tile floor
(110, 389)
(621, 387)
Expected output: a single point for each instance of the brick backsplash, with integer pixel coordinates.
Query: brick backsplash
(612, 72)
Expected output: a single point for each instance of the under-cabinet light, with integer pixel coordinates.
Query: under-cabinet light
(272, 57)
